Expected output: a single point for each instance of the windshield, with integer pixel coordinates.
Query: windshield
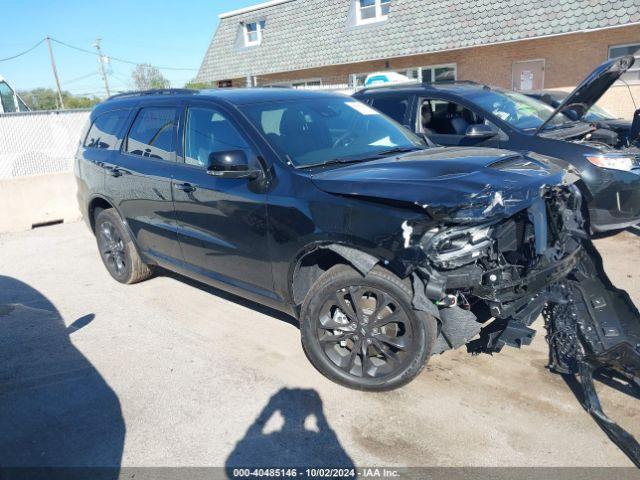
(597, 113)
(517, 109)
(322, 130)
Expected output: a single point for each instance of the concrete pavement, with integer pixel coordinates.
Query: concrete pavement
(173, 373)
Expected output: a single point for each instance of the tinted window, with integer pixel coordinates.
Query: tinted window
(152, 134)
(209, 131)
(314, 131)
(6, 96)
(515, 108)
(446, 118)
(395, 107)
(103, 133)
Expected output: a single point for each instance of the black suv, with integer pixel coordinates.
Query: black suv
(471, 114)
(318, 205)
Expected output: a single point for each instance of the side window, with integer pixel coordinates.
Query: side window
(104, 130)
(394, 107)
(446, 118)
(152, 133)
(7, 98)
(209, 131)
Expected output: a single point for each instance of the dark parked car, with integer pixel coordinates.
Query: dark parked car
(317, 205)
(596, 115)
(466, 113)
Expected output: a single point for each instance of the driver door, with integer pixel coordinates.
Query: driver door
(222, 222)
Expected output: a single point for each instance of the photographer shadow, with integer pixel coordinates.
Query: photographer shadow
(58, 417)
(290, 432)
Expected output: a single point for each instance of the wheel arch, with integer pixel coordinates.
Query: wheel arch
(97, 204)
(317, 258)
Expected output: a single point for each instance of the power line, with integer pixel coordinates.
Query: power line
(23, 53)
(116, 59)
(74, 80)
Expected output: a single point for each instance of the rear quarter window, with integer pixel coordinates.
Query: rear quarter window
(103, 133)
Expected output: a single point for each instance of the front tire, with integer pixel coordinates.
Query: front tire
(117, 249)
(362, 332)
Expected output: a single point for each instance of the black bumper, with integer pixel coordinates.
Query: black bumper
(615, 202)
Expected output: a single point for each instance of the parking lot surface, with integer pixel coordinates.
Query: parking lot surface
(173, 373)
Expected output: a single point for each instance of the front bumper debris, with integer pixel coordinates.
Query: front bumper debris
(491, 282)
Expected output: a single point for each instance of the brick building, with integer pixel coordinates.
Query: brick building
(516, 44)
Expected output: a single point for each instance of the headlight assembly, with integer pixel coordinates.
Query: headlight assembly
(615, 161)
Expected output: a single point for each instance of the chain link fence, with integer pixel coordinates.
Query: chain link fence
(37, 143)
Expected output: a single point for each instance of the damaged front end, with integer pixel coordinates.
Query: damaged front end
(489, 282)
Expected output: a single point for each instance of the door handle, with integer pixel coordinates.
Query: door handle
(185, 187)
(116, 171)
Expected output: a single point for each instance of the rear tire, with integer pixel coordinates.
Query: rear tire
(362, 332)
(117, 249)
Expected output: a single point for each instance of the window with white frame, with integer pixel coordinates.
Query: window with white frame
(429, 74)
(633, 74)
(253, 33)
(369, 11)
(439, 73)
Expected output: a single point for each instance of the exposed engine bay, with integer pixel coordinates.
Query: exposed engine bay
(493, 280)
(605, 138)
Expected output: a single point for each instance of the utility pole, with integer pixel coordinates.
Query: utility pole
(55, 72)
(102, 70)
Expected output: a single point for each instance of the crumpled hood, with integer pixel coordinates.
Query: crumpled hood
(462, 183)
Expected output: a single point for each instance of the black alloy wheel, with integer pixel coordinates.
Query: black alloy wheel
(363, 332)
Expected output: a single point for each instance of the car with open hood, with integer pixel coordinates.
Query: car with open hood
(596, 115)
(471, 114)
(385, 250)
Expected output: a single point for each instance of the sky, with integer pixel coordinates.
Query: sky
(160, 32)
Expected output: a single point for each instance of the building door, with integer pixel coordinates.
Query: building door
(528, 75)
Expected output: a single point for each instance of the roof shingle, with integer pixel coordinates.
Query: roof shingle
(302, 34)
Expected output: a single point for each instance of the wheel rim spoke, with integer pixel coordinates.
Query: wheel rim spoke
(347, 309)
(382, 302)
(401, 343)
(329, 338)
(386, 352)
(394, 317)
(365, 360)
(356, 297)
(351, 361)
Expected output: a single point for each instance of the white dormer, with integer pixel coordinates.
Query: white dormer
(372, 11)
(252, 32)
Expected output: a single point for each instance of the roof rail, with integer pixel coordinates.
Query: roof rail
(416, 83)
(156, 91)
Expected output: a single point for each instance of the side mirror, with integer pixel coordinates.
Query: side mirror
(230, 164)
(480, 131)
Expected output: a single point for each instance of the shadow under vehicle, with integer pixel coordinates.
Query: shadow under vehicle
(472, 114)
(386, 251)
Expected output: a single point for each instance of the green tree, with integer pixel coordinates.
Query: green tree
(146, 77)
(195, 85)
(47, 99)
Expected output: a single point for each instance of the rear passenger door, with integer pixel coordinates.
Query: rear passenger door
(222, 222)
(138, 180)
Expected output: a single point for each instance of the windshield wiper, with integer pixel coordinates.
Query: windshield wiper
(391, 151)
(372, 156)
(335, 161)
